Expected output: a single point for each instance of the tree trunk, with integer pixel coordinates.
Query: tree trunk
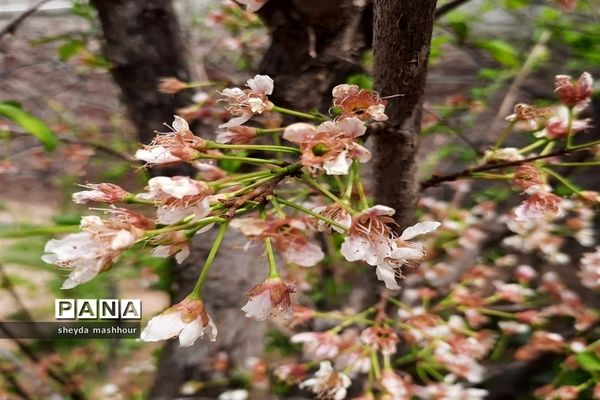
(143, 44)
(401, 40)
(315, 45)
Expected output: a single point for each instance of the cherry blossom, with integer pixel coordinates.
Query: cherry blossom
(330, 146)
(179, 197)
(237, 135)
(187, 320)
(380, 338)
(92, 251)
(353, 101)
(319, 345)
(243, 104)
(334, 212)
(449, 391)
(288, 237)
(397, 387)
(572, 92)
(181, 145)
(541, 204)
(327, 383)
(100, 193)
(271, 297)
(589, 274)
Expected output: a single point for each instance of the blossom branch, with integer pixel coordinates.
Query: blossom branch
(437, 179)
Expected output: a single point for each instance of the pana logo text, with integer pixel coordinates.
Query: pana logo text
(74, 309)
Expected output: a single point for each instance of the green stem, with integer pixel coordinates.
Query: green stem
(258, 147)
(548, 148)
(348, 192)
(578, 164)
(503, 135)
(196, 292)
(248, 160)
(269, 131)
(277, 207)
(37, 231)
(563, 180)
(327, 193)
(314, 214)
(570, 129)
(273, 272)
(296, 113)
(359, 186)
(582, 146)
(532, 146)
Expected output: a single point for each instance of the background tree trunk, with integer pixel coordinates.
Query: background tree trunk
(143, 44)
(401, 40)
(315, 45)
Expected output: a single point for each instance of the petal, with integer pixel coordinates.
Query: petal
(306, 255)
(387, 274)
(258, 307)
(182, 254)
(355, 248)
(353, 126)
(190, 333)
(180, 124)
(162, 327)
(380, 210)
(419, 229)
(237, 121)
(261, 84)
(299, 132)
(339, 166)
(362, 154)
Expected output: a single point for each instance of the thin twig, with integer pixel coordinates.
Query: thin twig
(446, 8)
(513, 91)
(13, 25)
(436, 180)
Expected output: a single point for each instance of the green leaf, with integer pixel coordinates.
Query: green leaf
(67, 50)
(361, 80)
(588, 361)
(30, 123)
(502, 51)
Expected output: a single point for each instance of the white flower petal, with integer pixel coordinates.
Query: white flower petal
(261, 84)
(180, 124)
(419, 229)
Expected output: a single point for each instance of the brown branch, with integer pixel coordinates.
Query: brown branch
(437, 179)
(13, 25)
(446, 8)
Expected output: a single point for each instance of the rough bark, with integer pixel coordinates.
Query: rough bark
(142, 43)
(315, 45)
(401, 40)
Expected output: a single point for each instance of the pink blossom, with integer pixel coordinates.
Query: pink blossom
(540, 204)
(88, 253)
(397, 387)
(288, 237)
(271, 297)
(330, 146)
(187, 320)
(319, 345)
(178, 197)
(100, 193)
(327, 383)
(243, 104)
(181, 145)
(574, 93)
(353, 101)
